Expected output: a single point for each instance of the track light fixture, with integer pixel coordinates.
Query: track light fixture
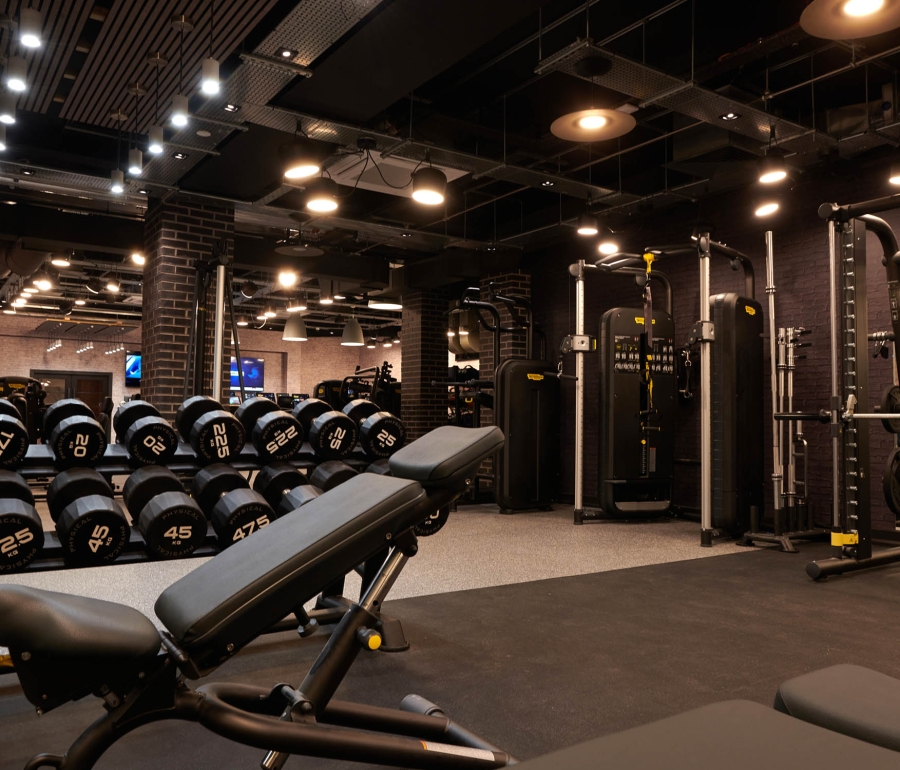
(117, 182)
(429, 186)
(16, 73)
(321, 196)
(295, 330)
(353, 336)
(30, 23)
(7, 108)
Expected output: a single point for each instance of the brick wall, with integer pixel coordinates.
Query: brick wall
(178, 233)
(424, 359)
(801, 277)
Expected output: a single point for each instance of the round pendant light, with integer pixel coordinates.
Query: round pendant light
(135, 161)
(242, 320)
(295, 330)
(353, 334)
(299, 159)
(16, 74)
(209, 77)
(7, 108)
(42, 280)
(60, 260)
(429, 186)
(587, 224)
(296, 304)
(321, 196)
(157, 141)
(772, 168)
(117, 182)
(895, 173)
(30, 23)
(850, 19)
(179, 116)
(592, 125)
(766, 206)
(385, 304)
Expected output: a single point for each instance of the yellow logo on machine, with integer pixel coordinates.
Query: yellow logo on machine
(750, 310)
(640, 320)
(536, 377)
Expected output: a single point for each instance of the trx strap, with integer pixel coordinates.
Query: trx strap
(646, 348)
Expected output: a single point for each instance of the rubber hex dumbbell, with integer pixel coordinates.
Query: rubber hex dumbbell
(381, 434)
(381, 467)
(13, 436)
(274, 433)
(170, 521)
(214, 434)
(284, 488)
(21, 531)
(235, 510)
(146, 436)
(331, 434)
(75, 438)
(91, 526)
(331, 474)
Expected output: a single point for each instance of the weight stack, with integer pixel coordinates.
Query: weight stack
(633, 483)
(737, 411)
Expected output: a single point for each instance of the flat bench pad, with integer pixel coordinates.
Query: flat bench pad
(848, 699)
(444, 456)
(735, 735)
(226, 602)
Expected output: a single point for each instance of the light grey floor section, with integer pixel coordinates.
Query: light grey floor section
(477, 548)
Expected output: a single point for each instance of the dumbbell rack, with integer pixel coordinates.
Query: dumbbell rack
(39, 464)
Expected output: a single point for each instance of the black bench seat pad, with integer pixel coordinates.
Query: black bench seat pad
(848, 699)
(735, 735)
(256, 582)
(444, 456)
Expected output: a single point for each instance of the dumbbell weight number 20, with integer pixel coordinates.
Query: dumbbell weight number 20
(12, 542)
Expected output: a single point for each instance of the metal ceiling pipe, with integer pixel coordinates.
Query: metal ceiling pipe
(14, 258)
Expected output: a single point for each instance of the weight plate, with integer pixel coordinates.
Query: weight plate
(331, 474)
(62, 410)
(78, 441)
(190, 411)
(239, 514)
(145, 484)
(92, 531)
(13, 441)
(13, 486)
(277, 436)
(333, 435)
(128, 414)
(7, 407)
(890, 403)
(359, 409)
(252, 409)
(890, 481)
(307, 411)
(274, 481)
(297, 498)
(217, 436)
(212, 482)
(381, 435)
(72, 485)
(172, 525)
(21, 535)
(381, 467)
(151, 441)
(433, 524)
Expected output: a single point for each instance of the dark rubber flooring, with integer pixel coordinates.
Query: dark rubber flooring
(534, 667)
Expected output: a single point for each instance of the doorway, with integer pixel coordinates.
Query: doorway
(89, 387)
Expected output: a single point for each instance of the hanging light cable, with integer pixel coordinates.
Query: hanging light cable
(156, 141)
(209, 77)
(135, 156)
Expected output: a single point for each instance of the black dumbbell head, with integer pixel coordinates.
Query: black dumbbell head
(78, 441)
(151, 441)
(330, 474)
(333, 435)
(14, 487)
(252, 409)
(381, 435)
(276, 480)
(60, 410)
(172, 525)
(72, 485)
(190, 411)
(297, 498)
(277, 436)
(92, 531)
(128, 414)
(434, 523)
(13, 441)
(145, 484)
(212, 482)
(381, 467)
(239, 514)
(307, 411)
(21, 534)
(217, 436)
(358, 409)
(8, 408)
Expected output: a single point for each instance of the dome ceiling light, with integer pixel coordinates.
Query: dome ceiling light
(592, 125)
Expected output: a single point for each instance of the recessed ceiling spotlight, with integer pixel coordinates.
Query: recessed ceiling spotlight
(592, 125)
(231, 107)
(28, 172)
(547, 183)
(850, 19)
(180, 155)
(203, 133)
(287, 53)
(729, 116)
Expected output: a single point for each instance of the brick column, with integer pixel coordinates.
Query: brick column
(178, 233)
(424, 359)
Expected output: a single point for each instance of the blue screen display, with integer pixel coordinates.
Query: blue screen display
(132, 369)
(254, 374)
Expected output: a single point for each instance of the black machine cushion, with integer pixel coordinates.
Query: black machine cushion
(444, 456)
(735, 735)
(226, 602)
(848, 699)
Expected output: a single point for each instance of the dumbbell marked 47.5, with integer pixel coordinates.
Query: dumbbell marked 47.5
(250, 527)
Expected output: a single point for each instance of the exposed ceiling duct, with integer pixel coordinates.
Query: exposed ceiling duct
(16, 259)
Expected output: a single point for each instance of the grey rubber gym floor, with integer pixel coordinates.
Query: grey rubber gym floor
(541, 665)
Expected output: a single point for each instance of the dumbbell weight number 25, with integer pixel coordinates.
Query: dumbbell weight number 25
(12, 542)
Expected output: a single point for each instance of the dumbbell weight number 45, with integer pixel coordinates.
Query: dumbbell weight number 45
(99, 538)
(12, 542)
(178, 534)
(250, 527)
(281, 438)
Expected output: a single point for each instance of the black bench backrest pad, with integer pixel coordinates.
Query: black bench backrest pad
(443, 457)
(244, 590)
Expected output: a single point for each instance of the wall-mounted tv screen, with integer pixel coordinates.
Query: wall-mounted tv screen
(254, 370)
(132, 370)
